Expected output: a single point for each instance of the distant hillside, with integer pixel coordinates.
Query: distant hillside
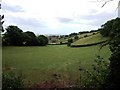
(95, 38)
(83, 38)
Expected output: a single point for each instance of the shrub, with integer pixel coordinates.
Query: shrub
(42, 40)
(61, 42)
(12, 81)
(95, 78)
(85, 35)
(69, 42)
(76, 37)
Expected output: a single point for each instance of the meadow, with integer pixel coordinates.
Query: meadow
(39, 64)
(90, 39)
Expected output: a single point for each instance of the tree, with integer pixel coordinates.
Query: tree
(42, 40)
(110, 28)
(1, 23)
(30, 39)
(13, 36)
(69, 42)
(107, 28)
(72, 34)
(76, 37)
(113, 78)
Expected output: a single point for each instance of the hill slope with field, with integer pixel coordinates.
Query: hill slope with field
(95, 38)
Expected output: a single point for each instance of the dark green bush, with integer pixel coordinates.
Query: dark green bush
(69, 42)
(61, 42)
(12, 81)
(76, 37)
(95, 78)
(85, 35)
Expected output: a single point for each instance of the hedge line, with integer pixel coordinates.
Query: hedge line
(58, 44)
(85, 45)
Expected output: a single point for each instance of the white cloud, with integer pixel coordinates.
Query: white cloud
(58, 16)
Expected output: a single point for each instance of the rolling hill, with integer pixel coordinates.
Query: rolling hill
(95, 38)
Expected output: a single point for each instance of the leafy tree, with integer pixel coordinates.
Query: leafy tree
(69, 42)
(113, 28)
(42, 40)
(110, 28)
(113, 79)
(30, 39)
(83, 32)
(104, 75)
(76, 37)
(13, 36)
(16, 37)
(106, 28)
(72, 34)
(1, 23)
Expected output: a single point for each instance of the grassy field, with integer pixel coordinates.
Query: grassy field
(90, 39)
(40, 63)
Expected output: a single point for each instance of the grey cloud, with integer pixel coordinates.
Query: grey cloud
(26, 23)
(64, 20)
(29, 22)
(11, 8)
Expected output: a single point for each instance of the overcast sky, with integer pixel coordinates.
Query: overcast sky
(57, 16)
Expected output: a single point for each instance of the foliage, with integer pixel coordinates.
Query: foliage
(12, 81)
(60, 42)
(76, 37)
(69, 42)
(113, 79)
(110, 28)
(1, 22)
(42, 40)
(97, 76)
(30, 39)
(84, 32)
(14, 36)
(72, 34)
(85, 35)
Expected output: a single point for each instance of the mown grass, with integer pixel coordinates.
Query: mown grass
(90, 39)
(40, 63)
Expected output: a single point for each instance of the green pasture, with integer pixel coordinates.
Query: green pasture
(88, 34)
(40, 63)
(90, 39)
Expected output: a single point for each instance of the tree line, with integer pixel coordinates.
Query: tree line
(14, 36)
(111, 29)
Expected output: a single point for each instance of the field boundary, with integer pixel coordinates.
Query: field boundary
(58, 43)
(85, 45)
